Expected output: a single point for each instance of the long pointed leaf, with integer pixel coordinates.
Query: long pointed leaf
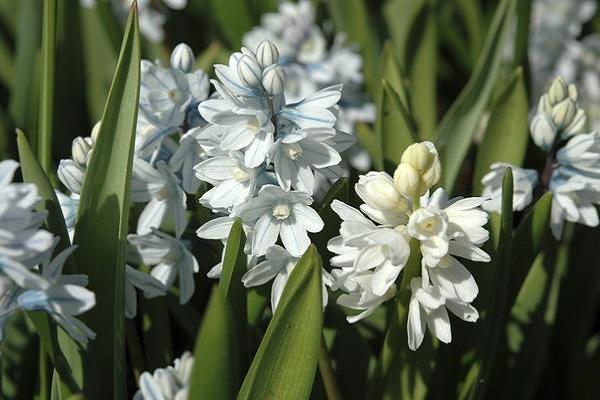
(102, 223)
(47, 84)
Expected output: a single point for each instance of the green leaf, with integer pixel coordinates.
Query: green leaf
(457, 128)
(47, 85)
(234, 19)
(351, 17)
(215, 374)
(507, 132)
(400, 17)
(102, 223)
(493, 321)
(285, 364)
(391, 71)
(520, 57)
(234, 267)
(7, 67)
(394, 126)
(372, 143)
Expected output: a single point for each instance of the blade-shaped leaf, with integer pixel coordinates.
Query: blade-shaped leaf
(371, 141)
(47, 84)
(285, 364)
(102, 223)
(234, 19)
(477, 377)
(457, 128)
(215, 374)
(392, 72)
(507, 132)
(234, 267)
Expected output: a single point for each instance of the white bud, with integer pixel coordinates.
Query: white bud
(559, 90)
(543, 131)
(182, 58)
(563, 113)
(423, 159)
(544, 105)
(577, 126)
(273, 79)
(249, 71)
(95, 131)
(267, 53)
(377, 190)
(80, 150)
(408, 181)
(419, 156)
(573, 92)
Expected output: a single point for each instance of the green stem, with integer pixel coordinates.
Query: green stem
(134, 348)
(47, 85)
(43, 366)
(327, 374)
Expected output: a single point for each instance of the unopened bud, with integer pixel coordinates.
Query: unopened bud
(249, 71)
(418, 156)
(267, 53)
(423, 159)
(80, 150)
(543, 131)
(95, 132)
(407, 181)
(577, 126)
(182, 58)
(273, 79)
(563, 113)
(572, 92)
(377, 190)
(559, 90)
(544, 105)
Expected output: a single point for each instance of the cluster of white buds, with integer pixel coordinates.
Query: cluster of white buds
(557, 114)
(261, 70)
(419, 170)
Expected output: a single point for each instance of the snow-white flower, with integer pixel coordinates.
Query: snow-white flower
(524, 182)
(170, 383)
(276, 213)
(169, 257)
(136, 279)
(429, 226)
(383, 202)
(277, 266)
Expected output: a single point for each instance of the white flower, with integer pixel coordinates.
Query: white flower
(276, 213)
(524, 182)
(170, 383)
(429, 225)
(69, 206)
(170, 258)
(150, 286)
(233, 182)
(182, 58)
(277, 266)
(383, 203)
(166, 197)
(297, 154)
(71, 175)
(62, 296)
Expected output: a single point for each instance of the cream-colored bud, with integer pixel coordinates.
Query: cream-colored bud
(273, 80)
(543, 131)
(544, 105)
(378, 191)
(267, 53)
(95, 131)
(407, 181)
(563, 113)
(559, 90)
(577, 126)
(249, 71)
(80, 150)
(432, 176)
(573, 92)
(418, 156)
(182, 57)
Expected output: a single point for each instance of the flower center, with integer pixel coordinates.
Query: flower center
(175, 96)
(429, 225)
(294, 151)
(281, 211)
(240, 175)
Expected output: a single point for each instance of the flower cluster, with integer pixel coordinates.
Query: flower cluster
(151, 14)
(29, 278)
(264, 166)
(572, 165)
(373, 246)
(310, 65)
(170, 383)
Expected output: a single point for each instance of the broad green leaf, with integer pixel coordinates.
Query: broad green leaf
(102, 223)
(100, 58)
(392, 72)
(7, 67)
(371, 141)
(520, 56)
(234, 267)
(339, 191)
(215, 374)
(471, 13)
(400, 17)
(479, 372)
(394, 126)
(459, 125)
(46, 108)
(507, 132)
(285, 364)
(351, 17)
(27, 39)
(234, 19)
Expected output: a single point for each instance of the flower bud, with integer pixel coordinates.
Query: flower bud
(559, 90)
(377, 190)
(273, 79)
(424, 160)
(249, 71)
(418, 156)
(182, 57)
(543, 131)
(577, 126)
(563, 113)
(573, 92)
(408, 181)
(95, 131)
(544, 105)
(430, 177)
(267, 53)
(80, 150)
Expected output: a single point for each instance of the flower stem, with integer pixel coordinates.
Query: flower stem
(327, 374)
